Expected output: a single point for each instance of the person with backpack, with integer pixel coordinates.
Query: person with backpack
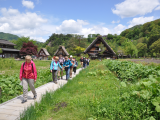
(71, 68)
(75, 66)
(88, 60)
(84, 62)
(60, 71)
(67, 64)
(81, 60)
(54, 67)
(28, 75)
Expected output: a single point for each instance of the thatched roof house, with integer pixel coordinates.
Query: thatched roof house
(43, 54)
(61, 51)
(93, 50)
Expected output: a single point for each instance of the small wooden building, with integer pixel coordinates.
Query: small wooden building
(8, 49)
(61, 51)
(43, 54)
(93, 50)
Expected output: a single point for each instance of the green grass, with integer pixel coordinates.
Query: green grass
(94, 94)
(10, 66)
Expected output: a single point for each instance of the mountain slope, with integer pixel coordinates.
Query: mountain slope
(8, 36)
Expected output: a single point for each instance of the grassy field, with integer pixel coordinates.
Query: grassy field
(11, 66)
(95, 94)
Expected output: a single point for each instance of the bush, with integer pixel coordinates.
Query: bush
(49, 58)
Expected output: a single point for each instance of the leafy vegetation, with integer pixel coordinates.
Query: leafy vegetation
(96, 93)
(129, 71)
(9, 77)
(10, 85)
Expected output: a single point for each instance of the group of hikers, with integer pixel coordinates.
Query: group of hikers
(28, 72)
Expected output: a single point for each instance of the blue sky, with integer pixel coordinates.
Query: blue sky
(38, 19)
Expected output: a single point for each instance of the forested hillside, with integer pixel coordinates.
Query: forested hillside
(8, 36)
(141, 40)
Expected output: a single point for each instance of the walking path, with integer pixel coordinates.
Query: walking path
(11, 109)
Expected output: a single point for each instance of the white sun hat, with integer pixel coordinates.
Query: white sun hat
(71, 56)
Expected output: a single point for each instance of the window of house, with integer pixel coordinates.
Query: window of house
(97, 48)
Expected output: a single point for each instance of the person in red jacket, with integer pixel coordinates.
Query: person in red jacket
(28, 75)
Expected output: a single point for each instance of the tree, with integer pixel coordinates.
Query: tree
(79, 49)
(22, 40)
(28, 49)
(155, 47)
(110, 36)
(101, 48)
(142, 48)
(130, 48)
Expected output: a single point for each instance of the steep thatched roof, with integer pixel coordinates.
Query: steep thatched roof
(45, 51)
(104, 42)
(63, 48)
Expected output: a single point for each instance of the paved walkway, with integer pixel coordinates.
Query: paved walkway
(11, 109)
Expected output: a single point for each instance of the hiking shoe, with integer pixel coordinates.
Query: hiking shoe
(58, 78)
(61, 77)
(24, 101)
(35, 97)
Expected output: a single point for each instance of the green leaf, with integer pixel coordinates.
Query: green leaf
(125, 95)
(156, 102)
(158, 72)
(135, 92)
(152, 118)
(147, 83)
(123, 84)
(158, 108)
(8, 82)
(11, 92)
(145, 94)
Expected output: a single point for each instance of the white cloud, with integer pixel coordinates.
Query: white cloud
(131, 8)
(140, 20)
(157, 8)
(118, 29)
(22, 24)
(71, 26)
(115, 21)
(77, 27)
(28, 4)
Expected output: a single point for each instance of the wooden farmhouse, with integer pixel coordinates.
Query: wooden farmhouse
(8, 49)
(43, 54)
(93, 50)
(61, 51)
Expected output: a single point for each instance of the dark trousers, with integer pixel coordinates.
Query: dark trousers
(84, 65)
(74, 69)
(67, 73)
(54, 75)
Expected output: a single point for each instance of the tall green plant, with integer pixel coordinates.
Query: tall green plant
(1, 50)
